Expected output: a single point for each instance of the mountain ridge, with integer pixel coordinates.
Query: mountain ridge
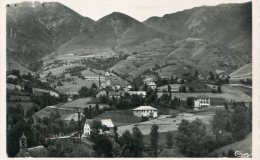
(59, 29)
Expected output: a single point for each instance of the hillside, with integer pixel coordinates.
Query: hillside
(37, 29)
(218, 24)
(244, 146)
(243, 72)
(183, 56)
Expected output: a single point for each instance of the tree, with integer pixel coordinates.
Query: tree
(240, 122)
(165, 98)
(169, 141)
(182, 88)
(190, 102)
(102, 146)
(138, 143)
(221, 121)
(219, 89)
(154, 139)
(126, 143)
(231, 153)
(97, 109)
(192, 139)
(67, 148)
(196, 75)
(151, 96)
(211, 76)
(169, 91)
(96, 125)
(136, 100)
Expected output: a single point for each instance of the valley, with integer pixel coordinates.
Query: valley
(118, 87)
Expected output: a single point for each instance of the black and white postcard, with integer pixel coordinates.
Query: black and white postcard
(129, 79)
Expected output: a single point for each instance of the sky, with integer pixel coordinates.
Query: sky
(138, 9)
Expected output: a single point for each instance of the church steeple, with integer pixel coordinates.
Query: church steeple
(107, 78)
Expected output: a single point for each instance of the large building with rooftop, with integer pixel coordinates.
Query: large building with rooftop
(145, 111)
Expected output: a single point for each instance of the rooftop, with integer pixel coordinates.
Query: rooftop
(145, 108)
(107, 122)
(202, 96)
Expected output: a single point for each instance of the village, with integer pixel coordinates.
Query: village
(138, 80)
(79, 102)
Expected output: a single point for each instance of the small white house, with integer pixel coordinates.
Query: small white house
(145, 111)
(87, 129)
(152, 85)
(106, 122)
(201, 102)
(101, 93)
(140, 93)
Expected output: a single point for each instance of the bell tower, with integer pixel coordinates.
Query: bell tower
(23, 142)
(108, 79)
(23, 147)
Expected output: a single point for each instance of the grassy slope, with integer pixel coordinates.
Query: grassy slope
(120, 117)
(244, 145)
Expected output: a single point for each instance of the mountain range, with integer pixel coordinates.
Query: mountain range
(206, 38)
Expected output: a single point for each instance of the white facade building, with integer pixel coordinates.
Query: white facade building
(145, 111)
(201, 102)
(152, 85)
(140, 93)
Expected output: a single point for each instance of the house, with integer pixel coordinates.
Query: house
(91, 76)
(11, 77)
(116, 95)
(86, 128)
(115, 82)
(140, 93)
(145, 111)
(101, 93)
(109, 126)
(105, 122)
(201, 102)
(40, 92)
(148, 80)
(152, 85)
(128, 88)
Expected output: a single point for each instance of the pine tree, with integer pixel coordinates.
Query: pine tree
(169, 141)
(154, 139)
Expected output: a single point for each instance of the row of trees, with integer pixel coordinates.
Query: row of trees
(127, 145)
(228, 126)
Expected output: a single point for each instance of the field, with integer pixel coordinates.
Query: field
(82, 103)
(69, 87)
(245, 146)
(228, 93)
(166, 123)
(120, 117)
(46, 112)
(246, 90)
(162, 138)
